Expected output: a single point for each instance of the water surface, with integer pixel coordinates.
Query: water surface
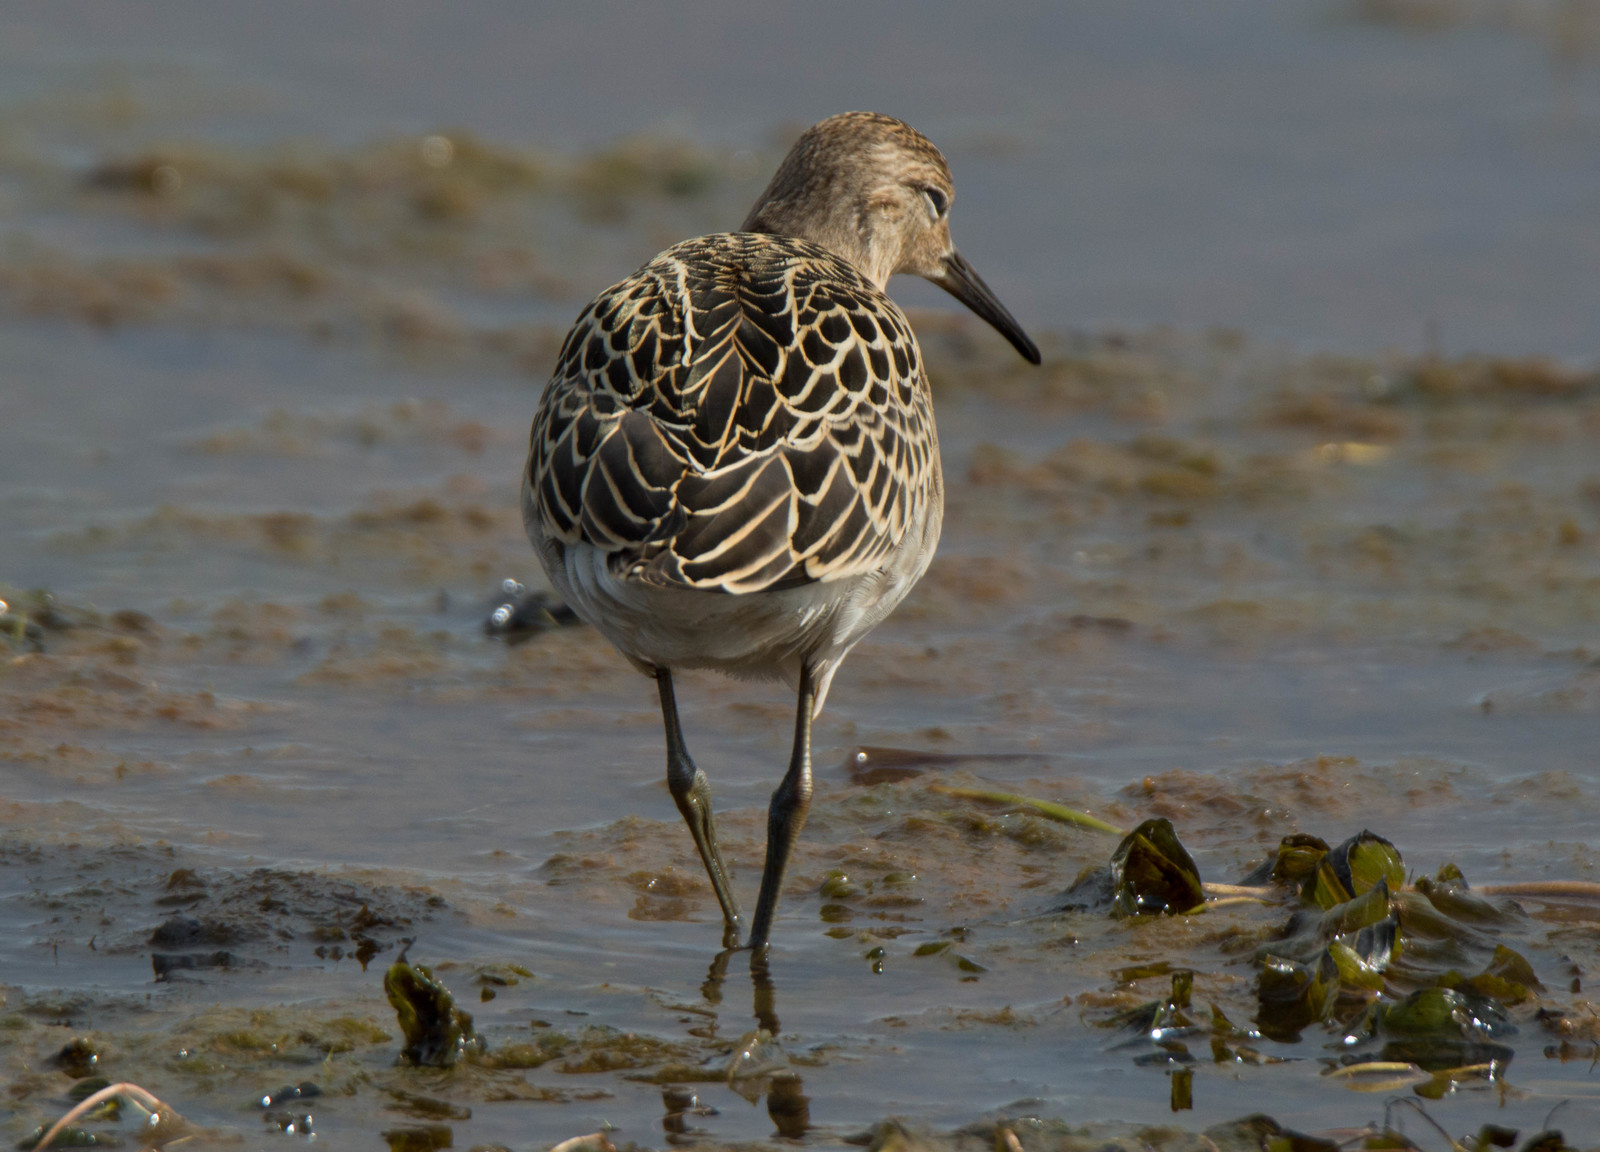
(274, 413)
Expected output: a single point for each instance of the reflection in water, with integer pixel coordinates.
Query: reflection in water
(680, 1104)
(1315, 562)
(423, 1138)
(711, 990)
(1182, 1089)
(759, 1067)
(789, 1106)
(766, 996)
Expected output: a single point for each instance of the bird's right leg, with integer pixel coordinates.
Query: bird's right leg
(691, 791)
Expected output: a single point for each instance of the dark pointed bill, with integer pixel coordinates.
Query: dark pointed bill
(962, 281)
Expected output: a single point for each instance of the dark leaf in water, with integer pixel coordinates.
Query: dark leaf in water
(1136, 972)
(1224, 1028)
(1359, 936)
(1297, 857)
(1509, 978)
(421, 1139)
(305, 1090)
(519, 615)
(1352, 869)
(1495, 1136)
(1293, 996)
(1439, 1053)
(1450, 874)
(71, 1138)
(1434, 941)
(1158, 1016)
(1363, 911)
(1356, 972)
(1454, 899)
(1261, 1133)
(1365, 859)
(437, 1033)
(1182, 987)
(1152, 872)
(1323, 888)
(1377, 945)
(77, 1058)
(1226, 1037)
(1445, 1012)
(1552, 1141)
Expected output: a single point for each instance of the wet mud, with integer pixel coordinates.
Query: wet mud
(265, 410)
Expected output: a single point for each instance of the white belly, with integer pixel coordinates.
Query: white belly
(756, 635)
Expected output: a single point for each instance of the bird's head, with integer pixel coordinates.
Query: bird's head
(875, 191)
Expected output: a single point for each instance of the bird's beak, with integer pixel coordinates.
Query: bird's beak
(962, 281)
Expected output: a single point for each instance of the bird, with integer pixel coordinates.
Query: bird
(734, 464)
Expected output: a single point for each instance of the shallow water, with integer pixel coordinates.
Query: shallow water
(277, 412)
(1345, 174)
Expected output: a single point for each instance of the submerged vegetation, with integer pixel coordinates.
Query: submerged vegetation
(1419, 988)
(317, 240)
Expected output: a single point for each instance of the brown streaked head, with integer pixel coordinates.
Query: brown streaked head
(877, 192)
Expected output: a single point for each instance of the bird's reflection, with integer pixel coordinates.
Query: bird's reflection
(788, 1106)
(682, 1104)
(711, 989)
(766, 996)
(766, 1073)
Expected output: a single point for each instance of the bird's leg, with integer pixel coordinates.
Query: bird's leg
(785, 817)
(691, 791)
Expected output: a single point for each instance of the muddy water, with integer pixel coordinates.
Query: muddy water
(1348, 174)
(264, 392)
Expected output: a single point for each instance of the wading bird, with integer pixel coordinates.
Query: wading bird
(735, 466)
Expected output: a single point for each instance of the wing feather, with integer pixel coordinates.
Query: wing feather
(745, 412)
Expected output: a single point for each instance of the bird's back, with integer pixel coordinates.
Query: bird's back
(745, 413)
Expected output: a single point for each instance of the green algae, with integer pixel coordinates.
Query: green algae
(437, 1033)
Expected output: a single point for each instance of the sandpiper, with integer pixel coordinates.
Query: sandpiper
(734, 465)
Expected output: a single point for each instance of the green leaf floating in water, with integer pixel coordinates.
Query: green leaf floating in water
(1403, 975)
(1293, 996)
(1353, 868)
(1158, 1016)
(1152, 872)
(1437, 1028)
(1509, 978)
(1364, 911)
(1449, 893)
(1260, 1131)
(437, 1032)
(1355, 970)
(1297, 858)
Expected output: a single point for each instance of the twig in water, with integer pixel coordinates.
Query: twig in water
(1554, 889)
(159, 1120)
(593, 1142)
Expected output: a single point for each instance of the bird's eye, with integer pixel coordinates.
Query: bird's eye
(938, 202)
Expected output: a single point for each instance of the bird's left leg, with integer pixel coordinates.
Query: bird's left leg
(691, 791)
(785, 817)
